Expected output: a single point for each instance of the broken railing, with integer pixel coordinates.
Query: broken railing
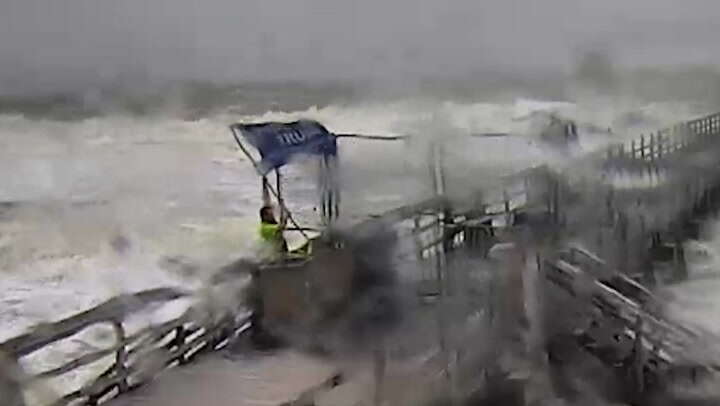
(656, 351)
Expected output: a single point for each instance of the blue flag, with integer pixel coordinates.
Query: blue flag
(278, 142)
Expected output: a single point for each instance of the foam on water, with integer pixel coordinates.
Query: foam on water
(174, 187)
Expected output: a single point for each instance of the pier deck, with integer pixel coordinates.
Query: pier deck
(250, 379)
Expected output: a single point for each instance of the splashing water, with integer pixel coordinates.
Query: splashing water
(94, 205)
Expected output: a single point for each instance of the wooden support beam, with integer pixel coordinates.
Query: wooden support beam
(121, 357)
(638, 361)
(379, 371)
(11, 392)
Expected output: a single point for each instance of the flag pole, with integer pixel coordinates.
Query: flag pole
(265, 191)
(372, 137)
(269, 187)
(278, 188)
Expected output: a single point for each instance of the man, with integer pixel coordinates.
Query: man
(271, 234)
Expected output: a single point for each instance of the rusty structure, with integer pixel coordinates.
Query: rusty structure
(576, 241)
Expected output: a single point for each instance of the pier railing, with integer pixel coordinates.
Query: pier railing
(437, 229)
(539, 189)
(135, 358)
(658, 145)
(448, 227)
(677, 172)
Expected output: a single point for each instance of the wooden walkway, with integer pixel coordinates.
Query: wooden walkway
(252, 379)
(625, 240)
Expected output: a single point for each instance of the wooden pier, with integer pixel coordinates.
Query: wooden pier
(588, 242)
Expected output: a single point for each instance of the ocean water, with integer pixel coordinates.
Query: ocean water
(174, 187)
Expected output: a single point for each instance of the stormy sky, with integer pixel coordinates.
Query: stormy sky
(66, 43)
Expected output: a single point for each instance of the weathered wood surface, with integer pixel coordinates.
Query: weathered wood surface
(253, 379)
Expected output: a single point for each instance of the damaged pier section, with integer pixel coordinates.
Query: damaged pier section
(537, 291)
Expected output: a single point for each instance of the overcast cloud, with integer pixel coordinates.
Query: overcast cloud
(71, 42)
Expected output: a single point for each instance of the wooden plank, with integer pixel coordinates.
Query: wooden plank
(76, 363)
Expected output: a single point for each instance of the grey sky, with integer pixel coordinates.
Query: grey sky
(66, 42)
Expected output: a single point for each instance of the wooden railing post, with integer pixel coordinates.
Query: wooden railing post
(417, 239)
(652, 166)
(120, 356)
(642, 146)
(555, 201)
(506, 207)
(178, 341)
(380, 364)
(638, 360)
(622, 236)
(11, 393)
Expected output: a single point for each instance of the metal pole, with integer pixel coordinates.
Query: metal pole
(373, 137)
(638, 360)
(335, 185)
(121, 357)
(328, 191)
(439, 185)
(278, 188)
(323, 184)
(269, 187)
(331, 188)
(265, 191)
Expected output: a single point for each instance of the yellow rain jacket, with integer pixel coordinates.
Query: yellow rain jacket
(273, 243)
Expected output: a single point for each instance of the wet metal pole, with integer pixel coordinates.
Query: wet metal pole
(269, 187)
(278, 187)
